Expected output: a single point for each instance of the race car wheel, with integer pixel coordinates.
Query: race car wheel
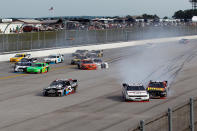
(59, 94)
(41, 71)
(124, 98)
(103, 66)
(78, 66)
(47, 69)
(45, 94)
(75, 89)
(56, 62)
(25, 70)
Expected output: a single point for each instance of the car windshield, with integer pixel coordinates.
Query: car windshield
(37, 65)
(80, 51)
(134, 88)
(98, 60)
(23, 64)
(87, 62)
(92, 55)
(59, 82)
(18, 55)
(25, 60)
(52, 56)
(156, 84)
(81, 57)
(96, 51)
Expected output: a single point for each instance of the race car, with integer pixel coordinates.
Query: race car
(61, 87)
(183, 41)
(18, 57)
(55, 58)
(157, 88)
(99, 53)
(76, 60)
(100, 63)
(134, 92)
(91, 55)
(28, 60)
(38, 68)
(80, 52)
(22, 66)
(87, 64)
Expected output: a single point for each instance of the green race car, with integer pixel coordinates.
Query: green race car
(38, 68)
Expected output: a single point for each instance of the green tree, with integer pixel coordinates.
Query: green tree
(186, 14)
(165, 17)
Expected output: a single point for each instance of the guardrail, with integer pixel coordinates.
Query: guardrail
(180, 118)
(71, 38)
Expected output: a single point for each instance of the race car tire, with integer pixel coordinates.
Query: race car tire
(59, 94)
(41, 71)
(47, 69)
(102, 66)
(45, 94)
(124, 98)
(55, 62)
(25, 70)
(78, 66)
(75, 89)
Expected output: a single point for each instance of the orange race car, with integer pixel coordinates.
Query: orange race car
(87, 64)
(157, 88)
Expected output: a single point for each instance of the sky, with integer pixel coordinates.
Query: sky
(40, 8)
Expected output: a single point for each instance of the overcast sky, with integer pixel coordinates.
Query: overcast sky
(40, 8)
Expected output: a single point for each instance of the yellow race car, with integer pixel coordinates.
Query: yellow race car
(77, 60)
(18, 57)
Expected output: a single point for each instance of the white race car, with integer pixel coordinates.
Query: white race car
(21, 66)
(134, 92)
(55, 58)
(100, 63)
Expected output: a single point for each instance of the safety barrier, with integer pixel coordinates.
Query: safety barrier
(41, 53)
(72, 38)
(180, 118)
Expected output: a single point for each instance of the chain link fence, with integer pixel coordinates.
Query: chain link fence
(181, 118)
(69, 38)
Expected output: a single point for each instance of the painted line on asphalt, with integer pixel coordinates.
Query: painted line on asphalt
(20, 75)
(12, 76)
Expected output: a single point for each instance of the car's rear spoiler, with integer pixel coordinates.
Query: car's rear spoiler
(124, 84)
(75, 80)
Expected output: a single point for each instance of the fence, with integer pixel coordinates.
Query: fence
(67, 38)
(181, 118)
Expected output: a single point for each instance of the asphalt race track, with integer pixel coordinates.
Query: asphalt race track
(97, 105)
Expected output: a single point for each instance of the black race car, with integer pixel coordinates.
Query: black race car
(61, 87)
(157, 88)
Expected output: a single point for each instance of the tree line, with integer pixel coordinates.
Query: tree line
(185, 14)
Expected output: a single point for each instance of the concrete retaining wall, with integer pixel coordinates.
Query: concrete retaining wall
(42, 53)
